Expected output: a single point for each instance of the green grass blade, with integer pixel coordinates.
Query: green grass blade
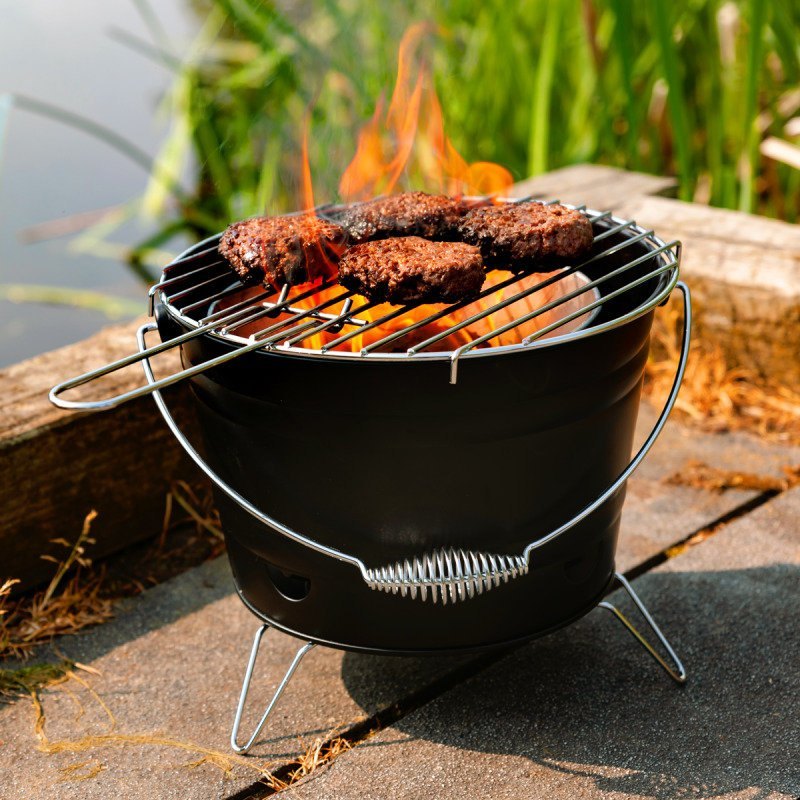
(676, 99)
(143, 48)
(624, 50)
(6, 104)
(89, 126)
(539, 142)
(112, 307)
(755, 45)
(153, 24)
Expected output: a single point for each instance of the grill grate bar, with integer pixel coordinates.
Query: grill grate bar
(456, 355)
(335, 323)
(186, 276)
(381, 321)
(303, 314)
(200, 254)
(271, 310)
(610, 296)
(215, 297)
(565, 298)
(249, 303)
(186, 292)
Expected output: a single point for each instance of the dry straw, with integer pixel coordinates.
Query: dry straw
(65, 606)
(717, 395)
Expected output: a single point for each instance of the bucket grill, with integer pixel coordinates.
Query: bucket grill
(574, 404)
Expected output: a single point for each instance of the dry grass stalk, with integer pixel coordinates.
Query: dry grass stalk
(717, 396)
(28, 680)
(61, 608)
(198, 506)
(322, 751)
(73, 771)
(70, 604)
(700, 475)
(698, 537)
(223, 761)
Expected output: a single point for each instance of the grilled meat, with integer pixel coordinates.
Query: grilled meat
(519, 235)
(408, 214)
(413, 270)
(280, 250)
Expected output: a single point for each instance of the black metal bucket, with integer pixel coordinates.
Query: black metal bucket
(386, 460)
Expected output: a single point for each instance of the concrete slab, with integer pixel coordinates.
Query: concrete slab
(171, 664)
(586, 714)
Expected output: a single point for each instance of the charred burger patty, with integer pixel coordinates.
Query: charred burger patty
(527, 234)
(432, 216)
(413, 270)
(280, 250)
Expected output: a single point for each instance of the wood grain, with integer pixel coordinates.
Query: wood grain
(57, 465)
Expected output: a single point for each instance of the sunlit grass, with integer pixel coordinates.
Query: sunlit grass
(688, 88)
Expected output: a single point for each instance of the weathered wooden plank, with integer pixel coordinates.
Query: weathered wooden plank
(745, 271)
(594, 185)
(56, 466)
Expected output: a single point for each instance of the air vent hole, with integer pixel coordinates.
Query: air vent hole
(292, 587)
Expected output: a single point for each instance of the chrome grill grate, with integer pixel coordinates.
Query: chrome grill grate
(195, 286)
(205, 297)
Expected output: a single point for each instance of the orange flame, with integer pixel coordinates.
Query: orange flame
(306, 184)
(409, 139)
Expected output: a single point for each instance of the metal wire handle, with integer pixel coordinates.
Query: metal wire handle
(445, 574)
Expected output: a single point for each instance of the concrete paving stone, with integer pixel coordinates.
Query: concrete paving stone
(172, 663)
(739, 450)
(652, 517)
(585, 713)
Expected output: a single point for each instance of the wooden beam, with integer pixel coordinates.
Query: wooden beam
(603, 188)
(57, 465)
(745, 274)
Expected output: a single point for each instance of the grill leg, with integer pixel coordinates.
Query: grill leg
(676, 670)
(246, 687)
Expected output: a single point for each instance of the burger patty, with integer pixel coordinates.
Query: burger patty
(527, 234)
(280, 250)
(413, 270)
(432, 216)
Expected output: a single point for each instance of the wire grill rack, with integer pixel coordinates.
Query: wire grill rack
(325, 320)
(203, 293)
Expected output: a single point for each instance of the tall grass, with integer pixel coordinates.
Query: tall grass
(682, 87)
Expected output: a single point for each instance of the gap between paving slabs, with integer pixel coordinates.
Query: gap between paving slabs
(291, 772)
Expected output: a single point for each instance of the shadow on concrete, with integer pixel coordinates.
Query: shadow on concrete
(588, 701)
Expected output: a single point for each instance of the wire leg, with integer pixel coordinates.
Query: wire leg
(246, 687)
(676, 672)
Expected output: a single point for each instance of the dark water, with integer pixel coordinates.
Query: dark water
(62, 53)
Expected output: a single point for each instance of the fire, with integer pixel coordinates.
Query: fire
(405, 143)
(408, 139)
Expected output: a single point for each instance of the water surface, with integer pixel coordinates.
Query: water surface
(62, 53)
